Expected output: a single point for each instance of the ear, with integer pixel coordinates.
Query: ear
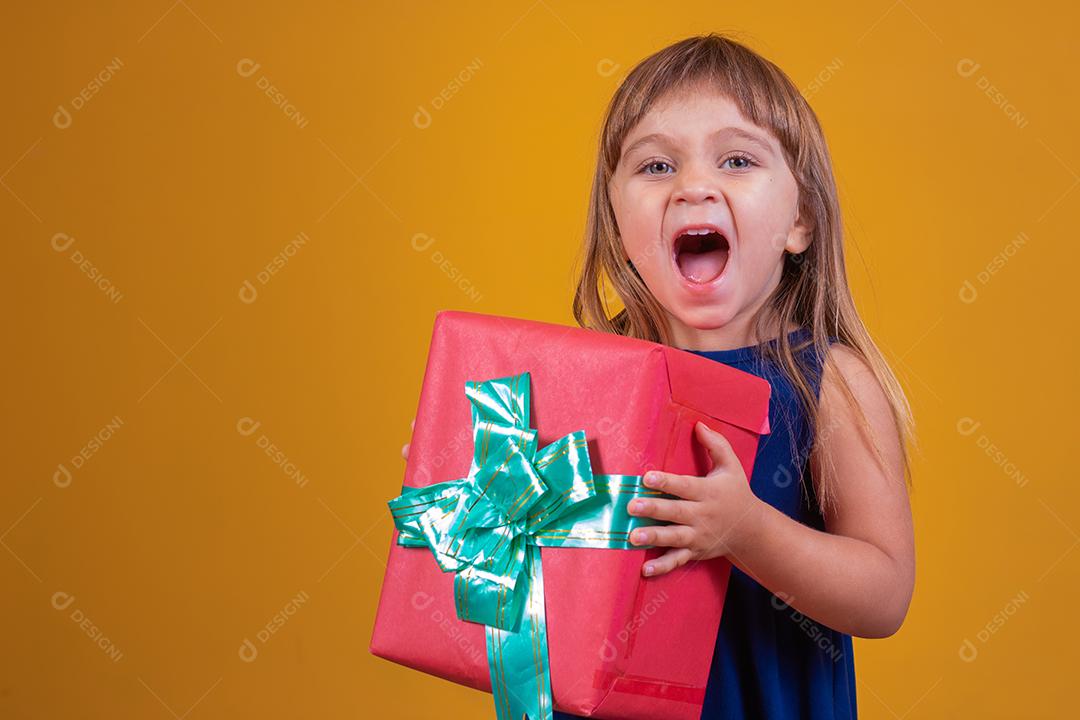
(799, 236)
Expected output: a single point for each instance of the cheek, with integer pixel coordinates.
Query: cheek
(636, 237)
(764, 235)
(760, 258)
(639, 226)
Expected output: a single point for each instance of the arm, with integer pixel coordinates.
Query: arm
(859, 576)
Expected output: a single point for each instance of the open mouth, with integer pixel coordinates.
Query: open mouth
(701, 256)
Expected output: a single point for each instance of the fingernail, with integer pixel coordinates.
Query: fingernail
(635, 506)
(649, 569)
(650, 479)
(640, 536)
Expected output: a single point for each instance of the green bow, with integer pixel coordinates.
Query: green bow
(488, 529)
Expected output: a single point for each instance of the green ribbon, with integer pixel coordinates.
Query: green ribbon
(488, 528)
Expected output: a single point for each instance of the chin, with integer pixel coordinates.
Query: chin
(712, 317)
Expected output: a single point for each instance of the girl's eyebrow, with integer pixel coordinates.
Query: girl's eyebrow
(731, 130)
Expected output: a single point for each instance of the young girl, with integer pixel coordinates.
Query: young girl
(714, 220)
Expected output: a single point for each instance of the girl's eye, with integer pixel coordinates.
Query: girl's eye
(746, 159)
(657, 167)
(647, 167)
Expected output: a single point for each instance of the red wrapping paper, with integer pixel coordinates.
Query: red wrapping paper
(620, 645)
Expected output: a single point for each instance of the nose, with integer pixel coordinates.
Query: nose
(695, 185)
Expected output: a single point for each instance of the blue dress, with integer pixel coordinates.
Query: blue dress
(772, 662)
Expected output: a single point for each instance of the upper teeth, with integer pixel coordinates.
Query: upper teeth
(702, 231)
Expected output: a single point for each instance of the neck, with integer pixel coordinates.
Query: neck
(737, 332)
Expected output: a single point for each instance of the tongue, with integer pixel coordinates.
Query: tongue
(704, 266)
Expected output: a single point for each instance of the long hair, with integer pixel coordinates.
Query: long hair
(813, 291)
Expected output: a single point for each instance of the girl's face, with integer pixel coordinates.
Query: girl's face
(694, 165)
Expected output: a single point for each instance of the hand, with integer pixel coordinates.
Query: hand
(405, 447)
(712, 514)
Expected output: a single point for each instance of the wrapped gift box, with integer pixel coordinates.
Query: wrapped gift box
(620, 645)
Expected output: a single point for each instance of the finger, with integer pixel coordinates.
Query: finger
(673, 536)
(719, 448)
(667, 562)
(685, 486)
(405, 451)
(677, 511)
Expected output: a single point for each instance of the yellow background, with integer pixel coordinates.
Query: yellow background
(179, 179)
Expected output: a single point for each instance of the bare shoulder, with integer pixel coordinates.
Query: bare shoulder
(860, 455)
(852, 397)
(860, 459)
(843, 361)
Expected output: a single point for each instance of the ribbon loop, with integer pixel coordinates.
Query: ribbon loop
(489, 526)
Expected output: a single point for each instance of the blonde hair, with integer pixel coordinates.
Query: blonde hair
(813, 291)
